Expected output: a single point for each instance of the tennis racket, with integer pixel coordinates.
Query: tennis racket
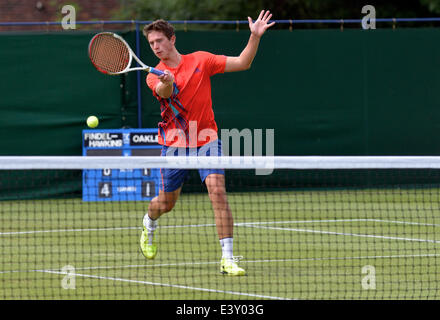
(111, 54)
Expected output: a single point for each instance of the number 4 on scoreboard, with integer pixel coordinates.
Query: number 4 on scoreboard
(105, 190)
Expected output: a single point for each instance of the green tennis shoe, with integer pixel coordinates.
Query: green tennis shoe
(229, 267)
(148, 250)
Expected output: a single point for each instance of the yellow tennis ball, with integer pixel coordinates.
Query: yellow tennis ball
(92, 122)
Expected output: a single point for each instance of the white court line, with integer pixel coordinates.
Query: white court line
(66, 230)
(181, 264)
(213, 225)
(94, 229)
(426, 255)
(167, 285)
(340, 220)
(345, 234)
(103, 229)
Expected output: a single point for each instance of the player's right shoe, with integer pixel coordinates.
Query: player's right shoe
(148, 250)
(229, 267)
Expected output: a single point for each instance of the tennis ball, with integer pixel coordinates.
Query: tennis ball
(92, 122)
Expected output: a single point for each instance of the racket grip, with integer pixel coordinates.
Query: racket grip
(156, 72)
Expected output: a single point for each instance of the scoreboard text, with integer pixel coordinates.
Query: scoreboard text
(120, 184)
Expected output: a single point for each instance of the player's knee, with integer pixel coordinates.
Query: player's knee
(217, 192)
(160, 205)
(168, 206)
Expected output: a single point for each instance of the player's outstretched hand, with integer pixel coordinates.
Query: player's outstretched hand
(261, 24)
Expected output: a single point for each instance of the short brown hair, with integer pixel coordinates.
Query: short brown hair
(159, 25)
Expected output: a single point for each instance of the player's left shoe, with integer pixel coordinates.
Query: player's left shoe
(148, 250)
(229, 267)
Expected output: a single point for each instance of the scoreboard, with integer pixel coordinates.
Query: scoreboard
(120, 184)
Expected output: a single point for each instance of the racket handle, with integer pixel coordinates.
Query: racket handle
(156, 72)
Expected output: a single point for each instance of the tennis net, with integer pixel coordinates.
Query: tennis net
(306, 228)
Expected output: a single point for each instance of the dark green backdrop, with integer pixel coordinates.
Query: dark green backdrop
(327, 92)
(324, 92)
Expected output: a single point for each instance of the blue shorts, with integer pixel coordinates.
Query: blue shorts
(173, 179)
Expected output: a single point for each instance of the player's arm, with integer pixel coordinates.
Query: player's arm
(244, 60)
(165, 87)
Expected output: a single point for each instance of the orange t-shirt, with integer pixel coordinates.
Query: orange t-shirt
(187, 116)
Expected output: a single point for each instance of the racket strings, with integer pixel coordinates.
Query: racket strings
(109, 53)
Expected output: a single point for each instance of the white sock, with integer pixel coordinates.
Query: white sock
(151, 226)
(227, 246)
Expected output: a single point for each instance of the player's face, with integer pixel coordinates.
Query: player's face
(160, 44)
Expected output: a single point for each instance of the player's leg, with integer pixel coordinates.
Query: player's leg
(217, 194)
(172, 181)
(163, 203)
(215, 182)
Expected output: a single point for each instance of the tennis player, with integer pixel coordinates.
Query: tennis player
(188, 126)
